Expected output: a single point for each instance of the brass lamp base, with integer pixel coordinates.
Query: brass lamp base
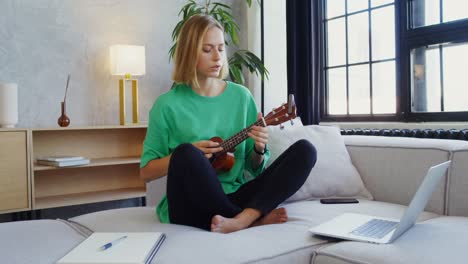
(134, 100)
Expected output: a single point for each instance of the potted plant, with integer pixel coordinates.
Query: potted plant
(241, 59)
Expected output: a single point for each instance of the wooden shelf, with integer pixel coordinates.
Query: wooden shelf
(112, 174)
(93, 163)
(109, 127)
(88, 197)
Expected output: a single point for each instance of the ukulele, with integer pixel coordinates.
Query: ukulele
(224, 160)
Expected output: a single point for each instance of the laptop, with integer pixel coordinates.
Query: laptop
(366, 228)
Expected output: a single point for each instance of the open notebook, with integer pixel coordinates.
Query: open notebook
(134, 248)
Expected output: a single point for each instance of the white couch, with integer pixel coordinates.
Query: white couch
(391, 168)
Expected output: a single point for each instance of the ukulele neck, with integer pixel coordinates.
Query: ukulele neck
(242, 135)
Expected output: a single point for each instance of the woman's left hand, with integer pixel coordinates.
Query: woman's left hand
(260, 135)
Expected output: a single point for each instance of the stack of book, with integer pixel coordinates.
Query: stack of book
(62, 161)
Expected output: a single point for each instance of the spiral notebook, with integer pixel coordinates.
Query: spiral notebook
(136, 248)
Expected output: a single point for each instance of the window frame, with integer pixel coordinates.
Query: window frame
(406, 39)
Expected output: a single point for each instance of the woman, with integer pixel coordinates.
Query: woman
(202, 105)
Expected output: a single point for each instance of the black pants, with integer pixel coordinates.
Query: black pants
(195, 195)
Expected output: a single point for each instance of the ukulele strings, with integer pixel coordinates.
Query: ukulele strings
(239, 137)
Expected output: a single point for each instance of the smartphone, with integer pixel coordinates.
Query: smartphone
(338, 201)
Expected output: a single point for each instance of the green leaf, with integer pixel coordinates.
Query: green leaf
(235, 73)
(250, 61)
(217, 4)
(186, 7)
(230, 25)
(172, 51)
(177, 29)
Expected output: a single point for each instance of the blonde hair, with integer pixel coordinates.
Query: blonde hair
(189, 46)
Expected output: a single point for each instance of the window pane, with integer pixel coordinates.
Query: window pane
(432, 79)
(427, 90)
(425, 79)
(357, 5)
(336, 42)
(335, 8)
(383, 88)
(380, 2)
(337, 91)
(359, 91)
(427, 12)
(454, 10)
(383, 33)
(455, 77)
(358, 38)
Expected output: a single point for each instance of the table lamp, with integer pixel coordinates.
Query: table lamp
(127, 61)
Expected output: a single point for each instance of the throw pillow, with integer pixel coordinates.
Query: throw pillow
(333, 175)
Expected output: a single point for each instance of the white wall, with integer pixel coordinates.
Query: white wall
(41, 41)
(276, 86)
(254, 45)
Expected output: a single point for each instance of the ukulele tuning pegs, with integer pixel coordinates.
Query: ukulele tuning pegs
(281, 126)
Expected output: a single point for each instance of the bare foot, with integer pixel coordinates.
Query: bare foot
(225, 225)
(243, 220)
(276, 216)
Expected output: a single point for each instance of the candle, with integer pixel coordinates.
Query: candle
(8, 105)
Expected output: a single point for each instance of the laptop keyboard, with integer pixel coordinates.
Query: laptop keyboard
(375, 228)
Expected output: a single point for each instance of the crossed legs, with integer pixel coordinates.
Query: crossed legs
(196, 198)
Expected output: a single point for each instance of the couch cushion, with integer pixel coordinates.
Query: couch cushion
(186, 244)
(439, 240)
(333, 175)
(314, 213)
(131, 219)
(262, 244)
(37, 241)
(393, 168)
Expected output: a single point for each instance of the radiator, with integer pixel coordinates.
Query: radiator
(458, 134)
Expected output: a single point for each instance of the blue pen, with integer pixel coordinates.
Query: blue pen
(112, 243)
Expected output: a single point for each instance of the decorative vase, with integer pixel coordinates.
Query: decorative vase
(8, 105)
(63, 120)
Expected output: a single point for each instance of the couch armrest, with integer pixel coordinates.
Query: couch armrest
(155, 190)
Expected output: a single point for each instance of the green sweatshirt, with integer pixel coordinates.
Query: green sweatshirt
(183, 116)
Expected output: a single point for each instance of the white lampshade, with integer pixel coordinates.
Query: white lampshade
(127, 59)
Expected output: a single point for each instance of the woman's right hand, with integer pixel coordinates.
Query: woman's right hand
(208, 147)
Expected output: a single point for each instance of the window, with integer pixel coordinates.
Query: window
(438, 51)
(381, 64)
(360, 57)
